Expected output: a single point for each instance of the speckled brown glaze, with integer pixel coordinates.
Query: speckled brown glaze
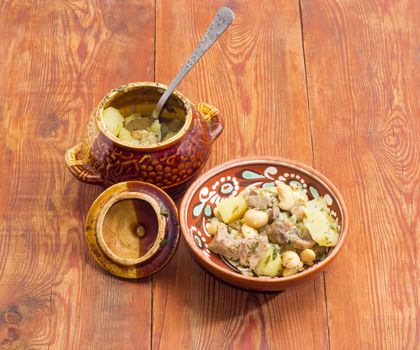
(231, 178)
(104, 159)
(167, 242)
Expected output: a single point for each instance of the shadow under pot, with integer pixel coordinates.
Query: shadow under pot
(132, 229)
(103, 158)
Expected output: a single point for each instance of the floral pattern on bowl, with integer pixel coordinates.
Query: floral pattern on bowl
(231, 178)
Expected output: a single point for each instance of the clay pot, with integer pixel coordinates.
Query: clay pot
(104, 159)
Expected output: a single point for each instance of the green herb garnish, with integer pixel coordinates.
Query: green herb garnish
(254, 247)
(276, 251)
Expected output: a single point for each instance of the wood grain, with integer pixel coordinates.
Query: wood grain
(363, 95)
(255, 76)
(58, 60)
(329, 83)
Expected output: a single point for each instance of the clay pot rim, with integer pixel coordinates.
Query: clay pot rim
(159, 236)
(258, 283)
(188, 105)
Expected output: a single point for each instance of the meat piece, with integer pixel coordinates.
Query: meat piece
(225, 243)
(259, 199)
(145, 137)
(278, 232)
(252, 250)
(301, 239)
(273, 214)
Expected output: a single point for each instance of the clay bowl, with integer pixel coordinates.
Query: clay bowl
(229, 179)
(132, 229)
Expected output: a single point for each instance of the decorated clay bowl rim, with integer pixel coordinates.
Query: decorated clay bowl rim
(307, 170)
(136, 85)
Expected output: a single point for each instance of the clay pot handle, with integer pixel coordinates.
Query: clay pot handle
(212, 117)
(80, 170)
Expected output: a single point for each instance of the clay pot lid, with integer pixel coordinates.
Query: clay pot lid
(132, 229)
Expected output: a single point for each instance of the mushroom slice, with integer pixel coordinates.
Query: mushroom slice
(301, 239)
(139, 123)
(278, 232)
(302, 243)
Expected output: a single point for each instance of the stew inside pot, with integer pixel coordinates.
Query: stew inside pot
(129, 117)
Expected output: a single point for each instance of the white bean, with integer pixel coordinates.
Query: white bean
(290, 260)
(307, 256)
(256, 218)
(285, 194)
(290, 272)
(248, 231)
(212, 227)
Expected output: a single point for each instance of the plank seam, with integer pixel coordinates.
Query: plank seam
(326, 309)
(306, 82)
(313, 152)
(51, 308)
(154, 79)
(154, 44)
(151, 312)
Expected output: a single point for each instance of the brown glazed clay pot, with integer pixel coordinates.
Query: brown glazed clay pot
(102, 158)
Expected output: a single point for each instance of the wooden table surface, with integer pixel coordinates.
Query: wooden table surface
(331, 83)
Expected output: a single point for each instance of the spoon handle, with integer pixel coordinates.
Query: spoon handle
(223, 19)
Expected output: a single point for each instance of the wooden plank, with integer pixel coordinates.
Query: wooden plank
(255, 76)
(363, 80)
(58, 61)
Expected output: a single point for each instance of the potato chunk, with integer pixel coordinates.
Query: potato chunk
(232, 208)
(131, 117)
(320, 224)
(270, 264)
(155, 128)
(125, 135)
(113, 120)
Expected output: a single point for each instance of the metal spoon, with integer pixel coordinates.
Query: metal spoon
(223, 19)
